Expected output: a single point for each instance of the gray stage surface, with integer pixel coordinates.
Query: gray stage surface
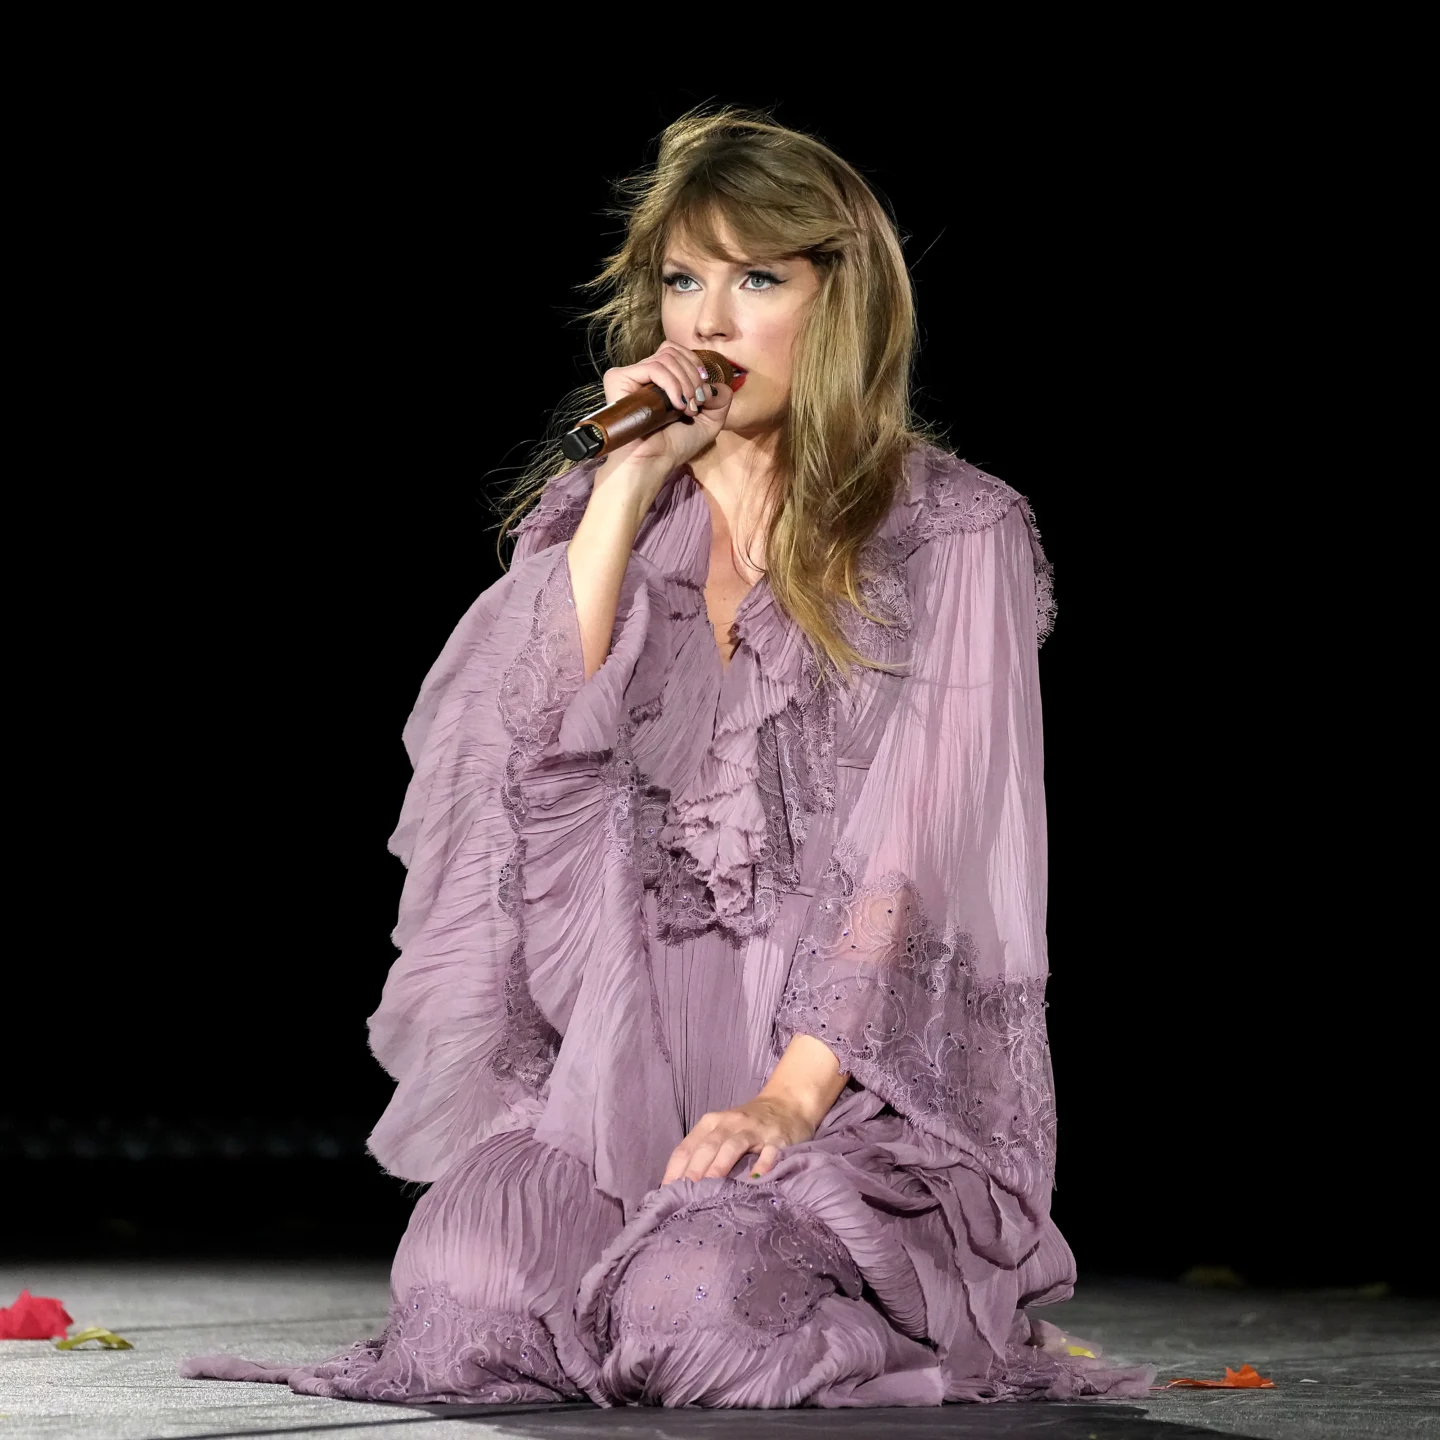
(1345, 1364)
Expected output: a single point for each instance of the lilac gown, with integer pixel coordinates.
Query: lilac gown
(626, 894)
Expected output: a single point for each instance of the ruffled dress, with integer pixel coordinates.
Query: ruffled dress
(625, 895)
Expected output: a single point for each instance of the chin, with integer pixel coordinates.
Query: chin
(750, 413)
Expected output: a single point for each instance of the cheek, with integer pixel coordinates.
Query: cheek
(670, 323)
(772, 343)
(773, 338)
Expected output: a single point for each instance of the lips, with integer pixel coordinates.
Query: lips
(739, 371)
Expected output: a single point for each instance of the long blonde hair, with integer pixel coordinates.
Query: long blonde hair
(838, 462)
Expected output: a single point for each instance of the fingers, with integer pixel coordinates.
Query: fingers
(672, 376)
(717, 397)
(723, 1161)
(692, 1159)
(769, 1154)
(678, 372)
(679, 1159)
(690, 372)
(683, 1153)
(702, 1159)
(717, 1142)
(688, 358)
(669, 372)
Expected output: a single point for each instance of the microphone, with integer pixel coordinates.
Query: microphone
(641, 412)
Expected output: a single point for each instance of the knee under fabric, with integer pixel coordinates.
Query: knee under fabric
(746, 1300)
(752, 1265)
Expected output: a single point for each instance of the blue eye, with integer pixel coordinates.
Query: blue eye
(684, 284)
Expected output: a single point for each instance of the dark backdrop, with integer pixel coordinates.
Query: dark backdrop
(304, 330)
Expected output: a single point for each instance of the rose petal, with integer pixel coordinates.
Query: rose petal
(33, 1317)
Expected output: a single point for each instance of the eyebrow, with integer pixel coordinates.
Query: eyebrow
(671, 263)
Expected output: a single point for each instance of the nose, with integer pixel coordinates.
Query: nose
(715, 319)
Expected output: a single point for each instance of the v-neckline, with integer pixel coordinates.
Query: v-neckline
(719, 655)
(745, 599)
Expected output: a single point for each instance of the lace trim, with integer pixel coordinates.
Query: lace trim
(534, 691)
(950, 508)
(805, 746)
(559, 510)
(630, 827)
(434, 1349)
(906, 1013)
(1044, 578)
(529, 1044)
(749, 1266)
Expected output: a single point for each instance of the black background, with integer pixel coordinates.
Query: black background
(299, 325)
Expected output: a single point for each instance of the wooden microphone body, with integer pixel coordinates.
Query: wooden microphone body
(640, 413)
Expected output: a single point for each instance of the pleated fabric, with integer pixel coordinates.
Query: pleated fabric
(625, 895)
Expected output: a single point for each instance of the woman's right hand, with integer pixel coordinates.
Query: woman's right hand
(702, 405)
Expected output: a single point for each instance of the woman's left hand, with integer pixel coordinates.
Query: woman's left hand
(762, 1126)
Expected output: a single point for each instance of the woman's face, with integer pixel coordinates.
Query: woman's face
(748, 311)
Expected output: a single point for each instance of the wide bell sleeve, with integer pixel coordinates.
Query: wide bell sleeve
(922, 964)
(507, 834)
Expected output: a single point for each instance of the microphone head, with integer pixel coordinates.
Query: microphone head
(582, 442)
(717, 367)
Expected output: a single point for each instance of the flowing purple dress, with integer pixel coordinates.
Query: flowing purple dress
(625, 895)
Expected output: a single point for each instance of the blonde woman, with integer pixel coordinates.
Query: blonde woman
(718, 1024)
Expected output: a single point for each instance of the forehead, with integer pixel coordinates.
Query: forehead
(721, 248)
(708, 234)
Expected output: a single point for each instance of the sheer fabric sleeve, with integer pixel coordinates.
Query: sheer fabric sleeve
(923, 961)
(503, 833)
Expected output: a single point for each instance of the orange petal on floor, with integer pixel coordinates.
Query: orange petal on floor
(1245, 1378)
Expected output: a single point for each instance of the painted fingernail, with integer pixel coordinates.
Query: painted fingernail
(693, 405)
(713, 392)
(700, 392)
(704, 373)
(754, 1174)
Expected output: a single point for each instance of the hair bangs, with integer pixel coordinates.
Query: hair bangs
(706, 211)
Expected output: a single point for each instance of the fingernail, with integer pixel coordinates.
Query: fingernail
(754, 1174)
(700, 392)
(704, 373)
(713, 392)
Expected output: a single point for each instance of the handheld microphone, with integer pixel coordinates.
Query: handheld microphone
(642, 412)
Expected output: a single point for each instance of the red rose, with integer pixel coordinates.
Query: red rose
(33, 1317)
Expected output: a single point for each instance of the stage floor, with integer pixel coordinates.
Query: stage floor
(1344, 1363)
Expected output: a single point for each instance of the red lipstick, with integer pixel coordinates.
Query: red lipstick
(737, 371)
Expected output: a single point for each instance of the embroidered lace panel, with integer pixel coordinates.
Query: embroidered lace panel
(903, 1008)
(557, 513)
(751, 1266)
(435, 1349)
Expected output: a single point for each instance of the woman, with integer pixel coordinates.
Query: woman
(718, 1023)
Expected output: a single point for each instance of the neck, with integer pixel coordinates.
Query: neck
(735, 472)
